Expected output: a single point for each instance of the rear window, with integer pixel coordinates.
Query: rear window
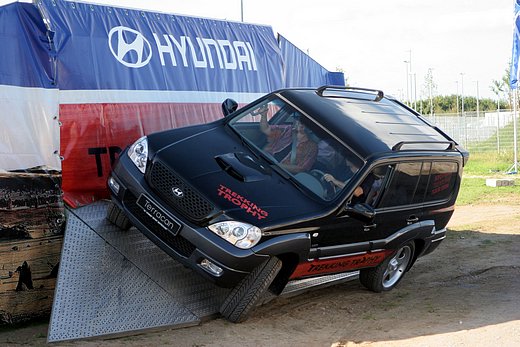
(442, 180)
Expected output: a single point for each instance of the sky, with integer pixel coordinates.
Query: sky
(465, 42)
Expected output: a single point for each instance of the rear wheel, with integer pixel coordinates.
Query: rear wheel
(247, 293)
(117, 217)
(386, 275)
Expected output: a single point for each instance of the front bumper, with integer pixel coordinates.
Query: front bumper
(191, 244)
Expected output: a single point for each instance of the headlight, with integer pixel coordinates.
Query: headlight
(138, 153)
(242, 235)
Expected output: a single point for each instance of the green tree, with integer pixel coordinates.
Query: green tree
(448, 104)
(501, 87)
(429, 90)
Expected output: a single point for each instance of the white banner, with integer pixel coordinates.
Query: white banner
(29, 128)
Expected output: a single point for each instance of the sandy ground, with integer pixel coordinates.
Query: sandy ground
(466, 293)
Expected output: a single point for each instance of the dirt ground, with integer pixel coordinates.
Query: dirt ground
(466, 293)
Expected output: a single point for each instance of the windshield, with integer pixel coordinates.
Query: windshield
(298, 145)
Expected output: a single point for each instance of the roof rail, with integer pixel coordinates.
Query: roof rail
(451, 145)
(379, 94)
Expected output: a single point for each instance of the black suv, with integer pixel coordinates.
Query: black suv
(300, 183)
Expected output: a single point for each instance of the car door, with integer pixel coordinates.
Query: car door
(401, 204)
(397, 203)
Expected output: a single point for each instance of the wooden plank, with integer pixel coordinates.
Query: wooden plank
(32, 221)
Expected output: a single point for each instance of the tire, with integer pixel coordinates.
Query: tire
(387, 275)
(247, 293)
(117, 217)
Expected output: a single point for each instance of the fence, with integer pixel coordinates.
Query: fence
(482, 132)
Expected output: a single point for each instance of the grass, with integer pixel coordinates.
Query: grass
(486, 243)
(506, 140)
(485, 165)
(473, 190)
(488, 163)
(430, 308)
(369, 316)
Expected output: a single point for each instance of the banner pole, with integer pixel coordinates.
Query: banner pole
(515, 165)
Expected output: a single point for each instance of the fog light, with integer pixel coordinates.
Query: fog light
(112, 183)
(211, 268)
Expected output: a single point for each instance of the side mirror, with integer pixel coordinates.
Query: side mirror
(363, 212)
(229, 106)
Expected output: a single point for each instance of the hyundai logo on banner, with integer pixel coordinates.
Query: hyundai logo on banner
(129, 47)
(137, 50)
(132, 49)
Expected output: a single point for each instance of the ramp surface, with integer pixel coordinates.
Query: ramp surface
(114, 282)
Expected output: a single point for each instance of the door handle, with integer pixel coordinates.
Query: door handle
(368, 227)
(411, 220)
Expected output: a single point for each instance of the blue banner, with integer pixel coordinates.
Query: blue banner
(300, 70)
(29, 130)
(101, 47)
(82, 81)
(26, 49)
(516, 49)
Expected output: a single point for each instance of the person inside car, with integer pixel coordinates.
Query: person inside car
(342, 174)
(368, 191)
(291, 145)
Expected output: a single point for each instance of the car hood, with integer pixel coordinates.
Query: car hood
(214, 163)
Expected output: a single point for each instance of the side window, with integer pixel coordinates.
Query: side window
(422, 186)
(402, 188)
(418, 182)
(442, 180)
(369, 191)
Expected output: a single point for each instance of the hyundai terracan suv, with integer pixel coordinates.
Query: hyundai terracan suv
(300, 183)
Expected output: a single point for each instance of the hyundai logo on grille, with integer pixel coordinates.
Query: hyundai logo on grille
(177, 192)
(129, 47)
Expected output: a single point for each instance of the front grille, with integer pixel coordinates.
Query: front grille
(178, 243)
(192, 204)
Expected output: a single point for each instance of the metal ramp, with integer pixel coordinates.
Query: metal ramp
(113, 282)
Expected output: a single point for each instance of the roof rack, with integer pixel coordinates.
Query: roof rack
(320, 91)
(398, 146)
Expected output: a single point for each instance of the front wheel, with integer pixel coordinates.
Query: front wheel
(386, 275)
(247, 293)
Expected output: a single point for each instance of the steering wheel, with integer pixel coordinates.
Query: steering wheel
(329, 187)
(318, 174)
